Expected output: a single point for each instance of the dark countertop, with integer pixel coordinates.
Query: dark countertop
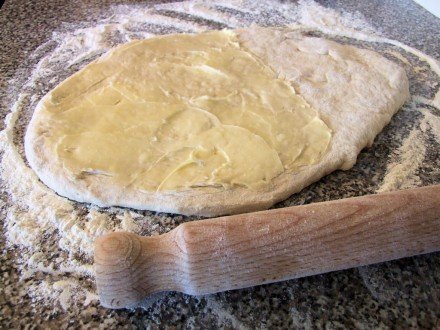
(397, 294)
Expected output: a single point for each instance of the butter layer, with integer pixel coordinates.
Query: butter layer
(181, 111)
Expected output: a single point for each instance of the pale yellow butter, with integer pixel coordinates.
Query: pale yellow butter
(182, 111)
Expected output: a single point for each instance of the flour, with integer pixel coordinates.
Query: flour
(328, 20)
(401, 174)
(55, 235)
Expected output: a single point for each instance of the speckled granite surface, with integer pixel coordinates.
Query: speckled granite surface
(398, 294)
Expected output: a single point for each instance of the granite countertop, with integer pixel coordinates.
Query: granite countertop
(398, 294)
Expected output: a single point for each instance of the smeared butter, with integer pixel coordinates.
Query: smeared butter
(182, 111)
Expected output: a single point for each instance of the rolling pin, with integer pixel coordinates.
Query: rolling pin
(240, 251)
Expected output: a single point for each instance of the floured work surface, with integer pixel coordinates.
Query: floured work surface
(49, 238)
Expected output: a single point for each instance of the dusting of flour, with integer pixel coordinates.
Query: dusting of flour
(55, 235)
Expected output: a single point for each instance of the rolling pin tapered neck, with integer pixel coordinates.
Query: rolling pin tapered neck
(122, 259)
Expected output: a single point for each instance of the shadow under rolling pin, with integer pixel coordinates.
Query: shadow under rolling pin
(240, 251)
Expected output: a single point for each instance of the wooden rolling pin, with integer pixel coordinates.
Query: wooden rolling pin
(239, 251)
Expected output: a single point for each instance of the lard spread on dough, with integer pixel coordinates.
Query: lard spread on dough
(182, 111)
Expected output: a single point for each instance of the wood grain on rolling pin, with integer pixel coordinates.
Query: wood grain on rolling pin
(244, 250)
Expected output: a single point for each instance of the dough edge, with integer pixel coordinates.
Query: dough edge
(341, 154)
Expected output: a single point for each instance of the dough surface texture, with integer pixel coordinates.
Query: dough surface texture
(218, 123)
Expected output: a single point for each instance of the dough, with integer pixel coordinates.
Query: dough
(210, 124)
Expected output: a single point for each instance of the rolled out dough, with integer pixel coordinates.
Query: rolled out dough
(307, 106)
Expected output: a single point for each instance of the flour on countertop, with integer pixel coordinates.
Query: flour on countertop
(402, 171)
(55, 235)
